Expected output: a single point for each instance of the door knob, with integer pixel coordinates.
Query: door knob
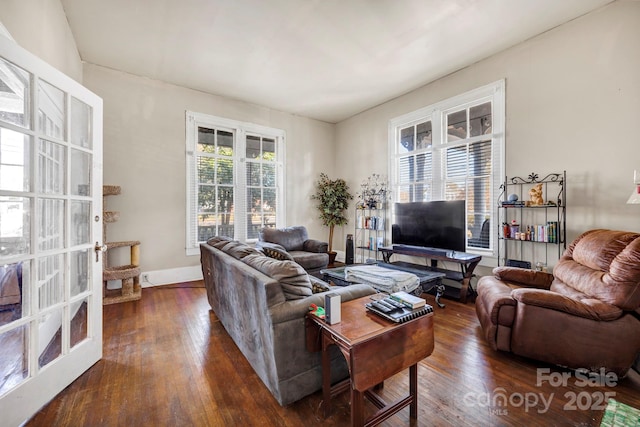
(99, 248)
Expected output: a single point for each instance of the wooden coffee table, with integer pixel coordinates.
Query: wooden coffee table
(375, 349)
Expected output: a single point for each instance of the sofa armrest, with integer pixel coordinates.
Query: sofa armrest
(297, 309)
(524, 277)
(587, 308)
(313, 245)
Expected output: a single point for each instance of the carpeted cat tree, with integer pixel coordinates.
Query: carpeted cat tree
(128, 274)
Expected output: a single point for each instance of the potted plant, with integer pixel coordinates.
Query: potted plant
(332, 198)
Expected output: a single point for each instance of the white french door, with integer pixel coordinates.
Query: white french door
(50, 232)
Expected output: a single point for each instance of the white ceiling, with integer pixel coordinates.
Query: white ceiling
(324, 59)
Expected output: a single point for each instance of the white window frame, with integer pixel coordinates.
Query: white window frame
(240, 130)
(437, 114)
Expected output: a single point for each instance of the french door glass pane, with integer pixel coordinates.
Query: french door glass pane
(51, 220)
(79, 271)
(50, 337)
(13, 304)
(80, 173)
(52, 166)
(80, 124)
(14, 363)
(15, 171)
(50, 280)
(15, 220)
(51, 110)
(15, 89)
(80, 218)
(79, 319)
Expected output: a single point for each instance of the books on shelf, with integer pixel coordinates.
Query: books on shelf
(409, 300)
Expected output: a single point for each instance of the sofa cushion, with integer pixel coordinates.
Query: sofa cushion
(219, 242)
(240, 250)
(292, 277)
(310, 260)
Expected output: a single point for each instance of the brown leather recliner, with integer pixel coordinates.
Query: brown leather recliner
(584, 316)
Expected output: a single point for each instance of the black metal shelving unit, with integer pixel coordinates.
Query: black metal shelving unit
(544, 226)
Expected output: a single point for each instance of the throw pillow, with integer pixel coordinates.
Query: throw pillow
(293, 279)
(318, 286)
(276, 253)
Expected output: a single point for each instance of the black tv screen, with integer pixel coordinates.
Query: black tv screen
(438, 224)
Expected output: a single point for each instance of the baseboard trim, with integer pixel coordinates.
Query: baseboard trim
(170, 276)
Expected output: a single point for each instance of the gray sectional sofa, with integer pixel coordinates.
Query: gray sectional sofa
(262, 303)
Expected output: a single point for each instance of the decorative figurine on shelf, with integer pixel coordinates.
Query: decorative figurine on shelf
(535, 196)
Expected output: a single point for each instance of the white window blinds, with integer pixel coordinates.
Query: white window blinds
(235, 178)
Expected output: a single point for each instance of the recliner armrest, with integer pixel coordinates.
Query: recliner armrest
(313, 245)
(524, 277)
(587, 308)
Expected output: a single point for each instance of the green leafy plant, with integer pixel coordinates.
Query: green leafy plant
(332, 198)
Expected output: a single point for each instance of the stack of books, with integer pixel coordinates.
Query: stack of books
(400, 307)
(409, 300)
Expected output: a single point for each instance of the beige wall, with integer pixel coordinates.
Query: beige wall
(572, 103)
(144, 152)
(41, 27)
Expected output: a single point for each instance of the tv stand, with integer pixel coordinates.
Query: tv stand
(466, 261)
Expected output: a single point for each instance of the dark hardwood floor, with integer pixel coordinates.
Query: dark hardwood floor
(169, 362)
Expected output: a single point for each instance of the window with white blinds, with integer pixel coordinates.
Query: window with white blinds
(453, 150)
(234, 179)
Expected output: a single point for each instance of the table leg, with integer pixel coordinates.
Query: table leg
(439, 294)
(326, 376)
(357, 408)
(413, 391)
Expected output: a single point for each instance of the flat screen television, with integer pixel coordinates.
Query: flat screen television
(437, 224)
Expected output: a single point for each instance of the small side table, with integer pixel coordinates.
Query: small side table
(375, 349)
